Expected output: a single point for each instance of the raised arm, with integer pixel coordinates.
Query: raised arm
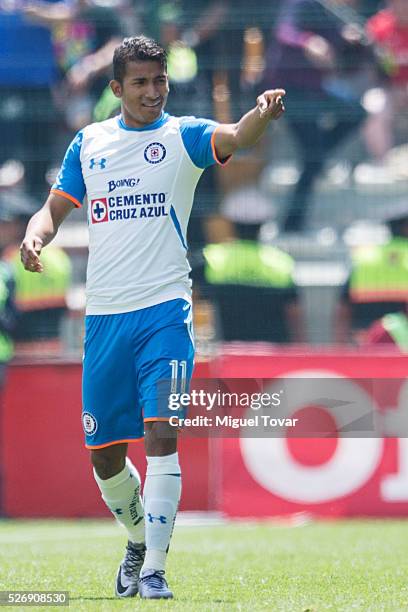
(42, 228)
(230, 137)
(47, 13)
(92, 65)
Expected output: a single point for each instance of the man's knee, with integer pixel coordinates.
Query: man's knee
(160, 438)
(109, 461)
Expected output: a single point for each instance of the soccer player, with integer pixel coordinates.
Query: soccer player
(138, 171)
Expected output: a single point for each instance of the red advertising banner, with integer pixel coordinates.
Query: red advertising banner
(45, 469)
(337, 476)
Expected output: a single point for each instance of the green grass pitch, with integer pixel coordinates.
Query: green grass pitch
(338, 566)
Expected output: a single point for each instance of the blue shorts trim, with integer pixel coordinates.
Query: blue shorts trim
(132, 362)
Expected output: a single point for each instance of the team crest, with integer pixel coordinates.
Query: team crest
(154, 153)
(99, 210)
(89, 423)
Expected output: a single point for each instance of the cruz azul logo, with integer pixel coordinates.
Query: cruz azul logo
(97, 163)
(89, 423)
(99, 210)
(154, 153)
(128, 206)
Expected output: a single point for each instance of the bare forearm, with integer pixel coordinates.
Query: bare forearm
(48, 14)
(42, 226)
(250, 128)
(99, 61)
(45, 223)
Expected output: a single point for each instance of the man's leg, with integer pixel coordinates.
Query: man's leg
(165, 365)
(308, 133)
(111, 417)
(348, 117)
(161, 496)
(316, 141)
(119, 483)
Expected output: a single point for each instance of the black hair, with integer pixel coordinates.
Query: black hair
(136, 49)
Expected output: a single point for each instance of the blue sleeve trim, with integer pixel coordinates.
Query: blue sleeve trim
(70, 179)
(196, 135)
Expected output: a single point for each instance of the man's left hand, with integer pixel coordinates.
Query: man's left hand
(270, 103)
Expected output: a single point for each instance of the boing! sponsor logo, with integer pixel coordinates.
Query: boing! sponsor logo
(89, 423)
(154, 153)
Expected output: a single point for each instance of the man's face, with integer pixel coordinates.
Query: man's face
(144, 92)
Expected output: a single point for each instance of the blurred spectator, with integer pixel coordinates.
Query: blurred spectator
(251, 283)
(312, 40)
(8, 310)
(189, 31)
(378, 283)
(40, 298)
(389, 30)
(390, 330)
(205, 44)
(182, 27)
(28, 71)
(8, 319)
(216, 31)
(85, 35)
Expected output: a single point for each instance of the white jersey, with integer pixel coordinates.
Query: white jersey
(139, 185)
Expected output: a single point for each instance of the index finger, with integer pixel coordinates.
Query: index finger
(276, 93)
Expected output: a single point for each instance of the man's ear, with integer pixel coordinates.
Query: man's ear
(116, 87)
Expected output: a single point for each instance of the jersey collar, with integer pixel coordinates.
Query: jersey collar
(164, 117)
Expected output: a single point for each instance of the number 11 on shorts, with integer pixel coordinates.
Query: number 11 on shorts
(175, 365)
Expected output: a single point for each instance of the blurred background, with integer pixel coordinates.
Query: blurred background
(298, 248)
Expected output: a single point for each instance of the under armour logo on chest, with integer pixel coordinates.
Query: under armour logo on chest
(101, 163)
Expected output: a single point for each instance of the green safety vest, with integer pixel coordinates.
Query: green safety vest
(6, 344)
(380, 272)
(45, 290)
(396, 324)
(244, 262)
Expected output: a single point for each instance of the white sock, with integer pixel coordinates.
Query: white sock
(121, 494)
(161, 496)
